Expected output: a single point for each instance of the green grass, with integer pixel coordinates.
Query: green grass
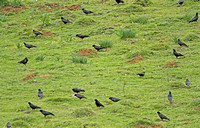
(82, 60)
(13, 3)
(106, 44)
(106, 74)
(141, 20)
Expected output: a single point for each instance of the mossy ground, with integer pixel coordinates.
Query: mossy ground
(105, 74)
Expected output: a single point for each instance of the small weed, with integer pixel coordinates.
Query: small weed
(68, 38)
(126, 33)
(41, 58)
(141, 20)
(19, 45)
(45, 20)
(3, 18)
(175, 38)
(106, 44)
(82, 60)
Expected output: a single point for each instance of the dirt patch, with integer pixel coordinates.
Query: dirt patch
(49, 7)
(95, 114)
(29, 76)
(86, 52)
(11, 9)
(73, 7)
(171, 64)
(186, 123)
(197, 108)
(141, 126)
(135, 60)
(46, 76)
(157, 126)
(48, 33)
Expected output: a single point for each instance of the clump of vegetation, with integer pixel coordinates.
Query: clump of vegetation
(82, 60)
(19, 45)
(175, 38)
(191, 37)
(106, 44)
(159, 46)
(144, 3)
(82, 112)
(130, 33)
(45, 20)
(141, 20)
(13, 3)
(3, 18)
(84, 21)
(187, 17)
(41, 58)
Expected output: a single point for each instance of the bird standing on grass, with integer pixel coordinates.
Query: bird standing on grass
(162, 116)
(80, 96)
(45, 113)
(37, 33)
(141, 74)
(119, 1)
(65, 20)
(114, 99)
(86, 11)
(24, 61)
(170, 97)
(98, 104)
(180, 2)
(195, 18)
(77, 90)
(33, 106)
(40, 93)
(176, 53)
(97, 47)
(181, 43)
(81, 36)
(187, 82)
(8, 125)
(29, 45)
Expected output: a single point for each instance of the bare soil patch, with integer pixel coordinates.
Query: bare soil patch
(48, 33)
(29, 76)
(73, 7)
(11, 9)
(87, 52)
(171, 64)
(46, 76)
(135, 59)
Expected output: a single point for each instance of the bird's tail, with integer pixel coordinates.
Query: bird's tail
(52, 114)
(82, 90)
(122, 1)
(168, 119)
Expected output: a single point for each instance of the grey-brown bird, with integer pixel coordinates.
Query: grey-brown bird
(170, 97)
(45, 113)
(86, 11)
(37, 33)
(195, 18)
(187, 82)
(181, 43)
(65, 20)
(40, 93)
(114, 99)
(162, 116)
(24, 61)
(176, 53)
(8, 125)
(98, 104)
(33, 106)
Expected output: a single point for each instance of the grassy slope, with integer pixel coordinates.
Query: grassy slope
(142, 97)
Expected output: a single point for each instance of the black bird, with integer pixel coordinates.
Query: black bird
(45, 113)
(33, 106)
(40, 93)
(86, 11)
(80, 96)
(162, 116)
(81, 36)
(114, 99)
(195, 18)
(8, 125)
(24, 61)
(170, 97)
(65, 20)
(84, 126)
(187, 82)
(141, 74)
(98, 104)
(77, 90)
(37, 33)
(181, 43)
(97, 47)
(29, 45)
(176, 53)
(119, 1)
(180, 2)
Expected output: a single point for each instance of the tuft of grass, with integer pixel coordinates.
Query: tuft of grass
(13, 3)
(130, 33)
(3, 18)
(41, 58)
(106, 44)
(141, 20)
(82, 112)
(159, 46)
(45, 20)
(84, 21)
(143, 3)
(82, 60)
(19, 45)
(175, 38)
(191, 37)
(187, 17)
